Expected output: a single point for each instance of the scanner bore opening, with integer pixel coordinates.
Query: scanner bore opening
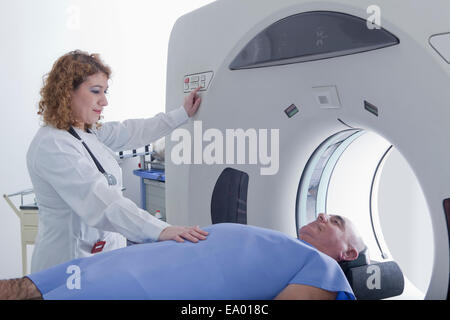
(360, 175)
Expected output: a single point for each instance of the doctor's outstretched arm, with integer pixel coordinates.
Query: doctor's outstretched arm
(86, 191)
(136, 133)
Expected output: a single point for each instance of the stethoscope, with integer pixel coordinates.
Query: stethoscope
(112, 181)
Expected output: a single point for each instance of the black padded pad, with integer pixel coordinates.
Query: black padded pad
(229, 198)
(363, 259)
(378, 280)
(447, 216)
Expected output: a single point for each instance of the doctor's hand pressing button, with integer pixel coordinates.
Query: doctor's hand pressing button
(192, 102)
(179, 233)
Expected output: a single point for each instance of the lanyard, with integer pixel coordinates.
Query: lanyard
(109, 177)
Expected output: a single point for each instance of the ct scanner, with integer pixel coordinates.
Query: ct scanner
(337, 99)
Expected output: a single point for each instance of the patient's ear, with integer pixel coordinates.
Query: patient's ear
(349, 255)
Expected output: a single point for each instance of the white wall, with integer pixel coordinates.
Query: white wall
(132, 38)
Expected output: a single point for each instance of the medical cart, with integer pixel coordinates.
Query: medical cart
(153, 192)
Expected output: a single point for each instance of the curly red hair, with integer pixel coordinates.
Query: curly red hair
(67, 73)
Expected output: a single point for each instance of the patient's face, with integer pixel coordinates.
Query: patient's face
(329, 234)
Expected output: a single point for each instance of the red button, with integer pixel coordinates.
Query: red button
(186, 80)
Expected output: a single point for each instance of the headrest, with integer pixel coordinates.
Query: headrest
(373, 280)
(363, 259)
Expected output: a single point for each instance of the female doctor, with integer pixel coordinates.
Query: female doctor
(76, 178)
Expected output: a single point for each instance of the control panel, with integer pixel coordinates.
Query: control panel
(193, 81)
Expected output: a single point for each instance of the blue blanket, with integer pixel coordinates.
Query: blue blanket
(235, 262)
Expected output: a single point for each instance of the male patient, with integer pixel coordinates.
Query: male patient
(235, 262)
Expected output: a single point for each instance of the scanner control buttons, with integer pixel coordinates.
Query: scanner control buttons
(193, 81)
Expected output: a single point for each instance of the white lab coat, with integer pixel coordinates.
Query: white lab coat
(77, 207)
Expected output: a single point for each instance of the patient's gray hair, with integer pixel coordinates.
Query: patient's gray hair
(360, 246)
(357, 242)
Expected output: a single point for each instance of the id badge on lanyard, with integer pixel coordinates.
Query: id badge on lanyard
(98, 246)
